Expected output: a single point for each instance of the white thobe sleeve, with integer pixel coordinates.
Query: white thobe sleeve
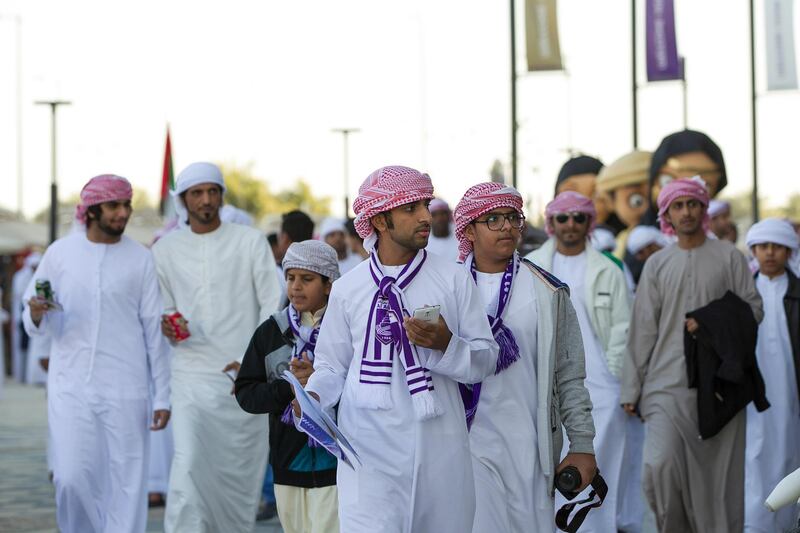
(150, 308)
(265, 280)
(471, 355)
(46, 324)
(333, 354)
(642, 335)
(160, 258)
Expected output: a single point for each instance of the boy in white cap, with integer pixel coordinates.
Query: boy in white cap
(772, 448)
(305, 474)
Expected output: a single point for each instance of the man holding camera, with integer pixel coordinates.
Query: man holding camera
(600, 296)
(538, 381)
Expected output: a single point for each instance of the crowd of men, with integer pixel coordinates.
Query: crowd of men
(636, 347)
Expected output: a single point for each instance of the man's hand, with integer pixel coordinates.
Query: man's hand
(167, 329)
(630, 408)
(235, 366)
(38, 309)
(434, 336)
(160, 419)
(691, 325)
(586, 465)
(44, 362)
(302, 368)
(296, 404)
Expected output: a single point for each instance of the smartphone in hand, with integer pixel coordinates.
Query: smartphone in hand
(429, 313)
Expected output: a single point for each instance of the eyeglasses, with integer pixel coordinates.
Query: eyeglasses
(579, 218)
(496, 222)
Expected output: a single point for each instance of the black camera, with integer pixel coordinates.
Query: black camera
(568, 481)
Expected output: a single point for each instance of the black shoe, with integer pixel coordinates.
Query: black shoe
(267, 511)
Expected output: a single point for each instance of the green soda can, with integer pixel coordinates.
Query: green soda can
(44, 290)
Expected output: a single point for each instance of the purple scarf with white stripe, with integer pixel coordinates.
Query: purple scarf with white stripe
(305, 340)
(386, 336)
(509, 351)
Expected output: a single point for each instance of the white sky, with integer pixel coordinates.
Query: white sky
(427, 83)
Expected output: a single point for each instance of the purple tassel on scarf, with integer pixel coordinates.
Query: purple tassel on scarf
(288, 416)
(509, 351)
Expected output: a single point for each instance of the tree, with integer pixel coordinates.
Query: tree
(141, 200)
(245, 191)
(742, 208)
(496, 172)
(792, 208)
(252, 194)
(302, 198)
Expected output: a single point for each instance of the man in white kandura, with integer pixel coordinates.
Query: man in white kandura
(19, 347)
(395, 378)
(221, 277)
(106, 350)
(516, 416)
(600, 296)
(442, 241)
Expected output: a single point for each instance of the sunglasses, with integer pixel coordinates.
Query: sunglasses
(579, 218)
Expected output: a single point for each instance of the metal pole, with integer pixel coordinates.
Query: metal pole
(345, 135)
(53, 183)
(513, 95)
(685, 94)
(53, 176)
(753, 112)
(346, 159)
(634, 89)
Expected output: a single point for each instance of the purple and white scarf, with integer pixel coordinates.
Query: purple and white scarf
(509, 350)
(384, 336)
(305, 341)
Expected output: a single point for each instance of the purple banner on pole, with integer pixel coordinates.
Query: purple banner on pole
(662, 49)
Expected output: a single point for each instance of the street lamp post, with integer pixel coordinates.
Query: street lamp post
(345, 135)
(53, 182)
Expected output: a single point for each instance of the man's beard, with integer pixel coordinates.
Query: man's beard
(204, 217)
(108, 230)
(410, 242)
(572, 242)
(697, 227)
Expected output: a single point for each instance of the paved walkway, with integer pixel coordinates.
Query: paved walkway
(26, 495)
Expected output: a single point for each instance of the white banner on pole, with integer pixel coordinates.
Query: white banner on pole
(781, 67)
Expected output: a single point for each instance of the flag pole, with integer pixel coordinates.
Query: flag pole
(634, 91)
(513, 94)
(753, 117)
(53, 104)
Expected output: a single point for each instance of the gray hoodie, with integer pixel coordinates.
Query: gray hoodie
(563, 399)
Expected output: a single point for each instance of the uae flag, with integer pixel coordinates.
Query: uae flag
(167, 182)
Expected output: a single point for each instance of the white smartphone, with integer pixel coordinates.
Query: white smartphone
(429, 313)
(231, 374)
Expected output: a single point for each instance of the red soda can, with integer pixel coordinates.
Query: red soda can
(180, 325)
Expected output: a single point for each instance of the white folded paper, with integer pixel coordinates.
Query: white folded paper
(316, 423)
